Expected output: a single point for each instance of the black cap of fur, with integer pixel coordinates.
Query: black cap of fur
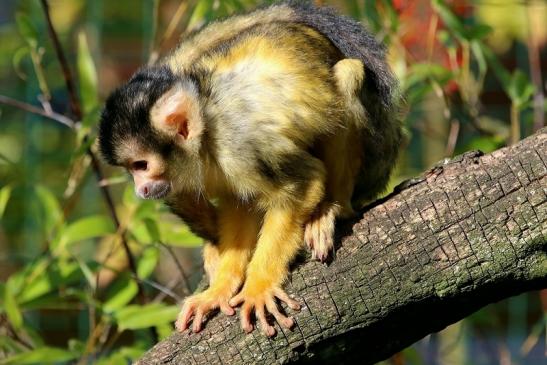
(127, 112)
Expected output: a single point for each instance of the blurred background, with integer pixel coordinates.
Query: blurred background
(80, 255)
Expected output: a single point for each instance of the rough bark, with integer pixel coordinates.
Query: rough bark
(468, 232)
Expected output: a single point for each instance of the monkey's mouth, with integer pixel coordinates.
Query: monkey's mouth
(161, 193)
(155, 191)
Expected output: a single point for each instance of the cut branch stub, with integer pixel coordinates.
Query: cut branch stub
(467, 233)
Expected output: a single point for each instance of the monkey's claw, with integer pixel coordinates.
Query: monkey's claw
(319, 233)
(261, 302)
(199, 305)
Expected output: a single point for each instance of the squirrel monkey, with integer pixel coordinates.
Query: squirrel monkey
(286, 118)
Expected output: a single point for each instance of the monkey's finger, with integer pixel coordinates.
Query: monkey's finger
(293, 304)
(184, 317)
(283, 320)
(237, 300)
(245, 317)
(226, 309)
(267, 329)
(198, 320)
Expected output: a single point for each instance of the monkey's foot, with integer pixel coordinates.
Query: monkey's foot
(319, 233)
(261, 301)
(200, 305)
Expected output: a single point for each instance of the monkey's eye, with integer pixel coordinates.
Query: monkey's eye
(139, 165)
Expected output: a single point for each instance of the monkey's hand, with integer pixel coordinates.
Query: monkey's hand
(260, 295)
(199, 305)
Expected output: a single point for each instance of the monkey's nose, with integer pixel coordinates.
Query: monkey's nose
(145, 191)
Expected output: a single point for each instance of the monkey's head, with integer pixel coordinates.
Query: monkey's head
(152, 126)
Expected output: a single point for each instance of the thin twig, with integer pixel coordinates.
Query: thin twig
(170, 286)
(452, 138)
(179, 267)
(13, 334)
(155, 52)
(74, 104)
(161, 288)
(35, 110)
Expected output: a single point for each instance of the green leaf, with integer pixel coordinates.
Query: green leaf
(129, 197)
(9, 345)
(122, 356)
(89, 120)
(391, 14)
(2, 289)
(201, 13)
(135, 317)
(373, 17)
(501, 73)
(153, 229)
(120, 293)
(520, 89)
(5, 193)
(420, 72)
(87, 75)
(146, 209)
(148, 261)
(450, 19)
(479, 56)
(55, 276)
(41, 355)
(53, 214)
(70, 300)
(447, 39)
(17, 59)
(477, 31)
(164, 331)
(27, 30)
(145, 231)
(86, 228)
(177, 234)
(88, 273)
(11, 307)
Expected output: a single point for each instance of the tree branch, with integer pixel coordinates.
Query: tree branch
(466, 233)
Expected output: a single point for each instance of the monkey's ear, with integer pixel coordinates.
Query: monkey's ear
(177, 111)
(179, 122)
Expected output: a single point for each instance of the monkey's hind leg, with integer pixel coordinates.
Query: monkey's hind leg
(225, 264)
(341, 156)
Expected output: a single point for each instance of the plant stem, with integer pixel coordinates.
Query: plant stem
(35, 110)
(515, 124)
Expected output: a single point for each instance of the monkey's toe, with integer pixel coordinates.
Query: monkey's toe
(319, 231)
(262, 304)
(199, 306)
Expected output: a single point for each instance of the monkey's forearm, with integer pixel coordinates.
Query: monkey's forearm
(198, 213)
